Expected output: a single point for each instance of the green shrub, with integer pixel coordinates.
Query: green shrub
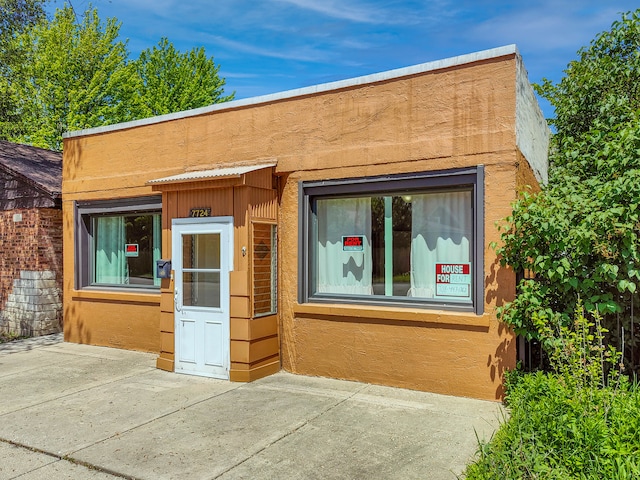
(579, 237)
(558, 432)
(581, 421)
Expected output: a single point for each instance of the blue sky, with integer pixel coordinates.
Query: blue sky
(268, 46)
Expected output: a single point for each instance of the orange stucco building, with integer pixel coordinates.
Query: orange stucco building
(340, 230)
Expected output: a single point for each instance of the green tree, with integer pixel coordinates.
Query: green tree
(173, 81)
(75, 76)
(16, 16)
(580, 234)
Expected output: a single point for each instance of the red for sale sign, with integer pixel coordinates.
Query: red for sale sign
(453, 279)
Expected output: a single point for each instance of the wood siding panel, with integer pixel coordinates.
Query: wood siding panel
(240, 307)
(254, 329)
(219, 200)
(239, 283)
(264, 204)
(164, 363)
(250, 352)
(262, 178)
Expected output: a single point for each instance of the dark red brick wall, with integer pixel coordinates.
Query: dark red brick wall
(33, 244)
(50, 244)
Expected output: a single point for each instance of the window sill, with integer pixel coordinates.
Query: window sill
(380, 314)
(147, 297)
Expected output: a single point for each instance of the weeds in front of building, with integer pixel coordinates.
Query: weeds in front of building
(580, 420)
(9, 337)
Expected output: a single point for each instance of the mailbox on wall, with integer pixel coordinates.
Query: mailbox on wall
(163, 268)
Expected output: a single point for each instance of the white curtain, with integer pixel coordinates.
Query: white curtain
(157, 246)
(111, 263)
(441, 233)
(339, 271)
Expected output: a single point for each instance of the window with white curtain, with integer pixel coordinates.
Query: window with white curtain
(118, 243)
(339, 269)
(404, 240)
(126, 248)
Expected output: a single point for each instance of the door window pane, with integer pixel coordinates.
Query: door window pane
(201, 289)
(201, 251)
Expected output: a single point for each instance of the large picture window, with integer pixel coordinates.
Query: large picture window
(125, 249)
(409, 239)
(118, 243)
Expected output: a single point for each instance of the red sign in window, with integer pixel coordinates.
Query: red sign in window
(131, 250)
(453, 279)
(455, 268)
(353, 243)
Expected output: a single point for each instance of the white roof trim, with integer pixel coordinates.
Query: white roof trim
(225, 172)
(324, 87)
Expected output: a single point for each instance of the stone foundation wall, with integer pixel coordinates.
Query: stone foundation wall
(31, 271)
(34, 306)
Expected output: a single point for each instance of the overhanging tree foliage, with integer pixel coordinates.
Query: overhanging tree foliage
(580, 235)
(75, 74)
(172, 81)
(16, 16)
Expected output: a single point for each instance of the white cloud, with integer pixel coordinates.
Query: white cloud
(354, 13)
(548, 26)
(372, 12)
(304, 53)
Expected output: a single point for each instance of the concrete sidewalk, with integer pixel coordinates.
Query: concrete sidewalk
(75, 411)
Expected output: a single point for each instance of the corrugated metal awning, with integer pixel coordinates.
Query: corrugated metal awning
(215, 174)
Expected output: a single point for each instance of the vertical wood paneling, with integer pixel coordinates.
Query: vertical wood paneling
(262, 178)
(241, 232)
(264, 204)
(168, 211)
(220, 200)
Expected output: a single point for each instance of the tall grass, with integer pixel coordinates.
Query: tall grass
(581, 421)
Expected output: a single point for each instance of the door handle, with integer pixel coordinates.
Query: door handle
(176, 302)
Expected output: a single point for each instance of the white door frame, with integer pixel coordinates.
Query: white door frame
(193, 315)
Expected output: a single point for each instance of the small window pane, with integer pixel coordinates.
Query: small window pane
(201, 250)
(343, 246)
(441, 243)
(201, 289)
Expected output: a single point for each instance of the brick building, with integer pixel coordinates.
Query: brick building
(30, 240)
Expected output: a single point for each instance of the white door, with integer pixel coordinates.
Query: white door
(202, 257)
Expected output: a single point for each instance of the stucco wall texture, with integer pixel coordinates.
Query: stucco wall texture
(458, 116)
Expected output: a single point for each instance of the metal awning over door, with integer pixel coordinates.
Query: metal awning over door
(222, 173)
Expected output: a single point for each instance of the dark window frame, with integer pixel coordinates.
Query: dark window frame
(468, 178)
(85, 211)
